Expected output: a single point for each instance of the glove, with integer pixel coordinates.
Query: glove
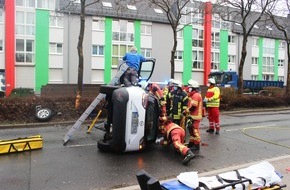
(159, 140)
(184, 113)
(205, 100)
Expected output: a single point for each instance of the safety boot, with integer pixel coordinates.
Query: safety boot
(195, 147)
(211, 131)
(217, 132)
(188, 157)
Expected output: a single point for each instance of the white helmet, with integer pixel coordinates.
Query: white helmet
(211, 80)
(193, 83)
(177, 83)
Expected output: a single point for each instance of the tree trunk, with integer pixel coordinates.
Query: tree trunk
(173, 53)
(241, 66)
(81, 56)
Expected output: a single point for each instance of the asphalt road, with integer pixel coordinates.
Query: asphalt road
(244, 138)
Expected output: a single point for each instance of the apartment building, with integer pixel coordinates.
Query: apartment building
(38, 43)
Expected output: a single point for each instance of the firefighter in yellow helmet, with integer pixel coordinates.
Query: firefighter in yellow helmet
(212, 100)
(194, 114)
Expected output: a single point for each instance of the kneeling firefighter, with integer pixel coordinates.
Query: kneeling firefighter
(173, 133)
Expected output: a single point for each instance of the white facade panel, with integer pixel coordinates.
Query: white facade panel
(178, 65)
(146, 41)
(254, 70)
(281, 71)
(255, 51)
(56, 35)
(24, 77)
(98, 37)
(282, 54)
(55, 61)
(232, 49)
(98, 62)
(55, 76)
(232, 67)
(97, 76)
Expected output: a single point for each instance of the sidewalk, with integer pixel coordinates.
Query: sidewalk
(281, 165)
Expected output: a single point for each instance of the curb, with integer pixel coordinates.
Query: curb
(218, 171)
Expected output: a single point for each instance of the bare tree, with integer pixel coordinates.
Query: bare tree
(284, 26)
(245, 13)
(175, 11)
(83, 5)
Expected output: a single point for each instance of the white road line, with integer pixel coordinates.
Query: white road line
(253, 127)
(80, 145)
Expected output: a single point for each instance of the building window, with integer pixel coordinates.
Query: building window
(231, 39)
(268, 77)
(25, 3)
(98, 24)
(197, 59)
(107, 4)
(1, 45)
(255, 60)
(215, 37)
(282, 45)
(254, 77)
(46, 4)
(281, 62)
(123, 31)
(269, 46)
(132, 7)
(215, 57)
(25, 23)
(159, 11)
(255, 41)
(1, 15)
(98, 50)
(118, 51)
(56, 21)
(280, 78)
(24, 50)
(146, 52)
(55, 48)
(146, 29)
(268, 65)
(197, 37)
(178, 55)
(232, 59)
(179, 33)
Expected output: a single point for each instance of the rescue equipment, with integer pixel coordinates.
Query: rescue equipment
(21, 144)
(92, 106)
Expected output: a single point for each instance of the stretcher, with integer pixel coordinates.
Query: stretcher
(21, 144)
(256, 177)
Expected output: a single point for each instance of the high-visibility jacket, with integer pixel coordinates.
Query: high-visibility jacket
(166, 129)
(194, 105)
(213, 97)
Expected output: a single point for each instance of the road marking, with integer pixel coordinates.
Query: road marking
(81, 145)
(254, 127)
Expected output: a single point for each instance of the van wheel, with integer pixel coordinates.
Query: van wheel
(43, 114)
(104, 146)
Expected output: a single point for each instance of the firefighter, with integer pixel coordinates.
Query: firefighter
(194, 114)
(158, 93)
(173, 133)
(212, 100)
(178, 103)
(167, 94)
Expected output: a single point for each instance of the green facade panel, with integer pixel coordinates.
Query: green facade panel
(276, 56)
(187, 54)
(224, 52)
(41, 49)
(108, 49)
(137, 34)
